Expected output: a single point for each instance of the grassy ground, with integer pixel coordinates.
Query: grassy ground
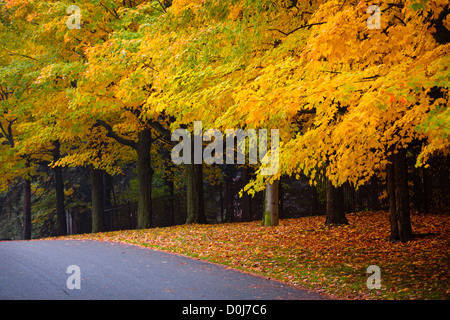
(303, 252)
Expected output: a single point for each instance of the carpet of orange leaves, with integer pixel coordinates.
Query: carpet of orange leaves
(304, 253)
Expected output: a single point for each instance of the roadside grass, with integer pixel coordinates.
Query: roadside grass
(302, 252)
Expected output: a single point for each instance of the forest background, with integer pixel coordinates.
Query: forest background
(90, 96)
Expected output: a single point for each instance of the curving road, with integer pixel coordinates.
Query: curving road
(38, 270)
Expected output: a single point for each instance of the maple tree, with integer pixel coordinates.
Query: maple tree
(354, 101)
(362, 126)
(16, 74)
(76, 46)
(212, 61)
(43, 105)
(353, 97)
(349, 100)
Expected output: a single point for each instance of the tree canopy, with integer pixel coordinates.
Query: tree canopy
(349, 98)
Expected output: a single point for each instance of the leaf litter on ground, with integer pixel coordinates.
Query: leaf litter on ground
(303, 252)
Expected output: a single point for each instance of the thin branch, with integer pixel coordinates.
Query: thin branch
(156, 8)
(12, 53)
(365, 79)
(403, 22)
(145, 64)
(4, 131)
(162, 6)
(370, 78)
(331, 71)
(307, 111)
(8, 133)
(301, 27)
(398, 5)
(163, 132)
(115, 136)
(110, 11)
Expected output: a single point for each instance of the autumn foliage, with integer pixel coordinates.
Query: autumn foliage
(354, 102)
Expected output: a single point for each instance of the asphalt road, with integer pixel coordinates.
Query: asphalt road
(38, 270)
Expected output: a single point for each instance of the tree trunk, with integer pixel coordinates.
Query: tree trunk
(222, 218)
(97, 199)
(168, 180)
(108, 191)
(315, 204)
(195, 205)
(145, 171)
(425, 186)
(145, 174)
(194, 193)
(280, 200)
(399, 211)
(229, 193)
(26, 209)
(60, 209)
(59, 189)
(392, 206)
(246, 200)
(271, 209)
(335, 205)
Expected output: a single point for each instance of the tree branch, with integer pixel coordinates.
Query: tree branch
(8, 133)
(306, 111)
(403, 22)
(301, 27)
(442, 34)
(110, 11)
(163, 132)
(12, 53)
(162, 6)
(115, 136)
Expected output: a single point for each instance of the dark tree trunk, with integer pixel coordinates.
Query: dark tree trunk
(315, 204)
(425, 185)
(229, 193)
(280, 200)
(168, 179)
(402, 196)
(60, 209)
(145, 175)
(26, 209)
(353, 195)
(108, 191)
(392, 206)
(246, 199)
(399, 211)
(335, 205)
(59, 189)
(194, 193)
(97, 199)
(171, 203)
(195, 206)
(222, 218)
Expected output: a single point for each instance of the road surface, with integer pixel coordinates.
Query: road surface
(106, 270)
